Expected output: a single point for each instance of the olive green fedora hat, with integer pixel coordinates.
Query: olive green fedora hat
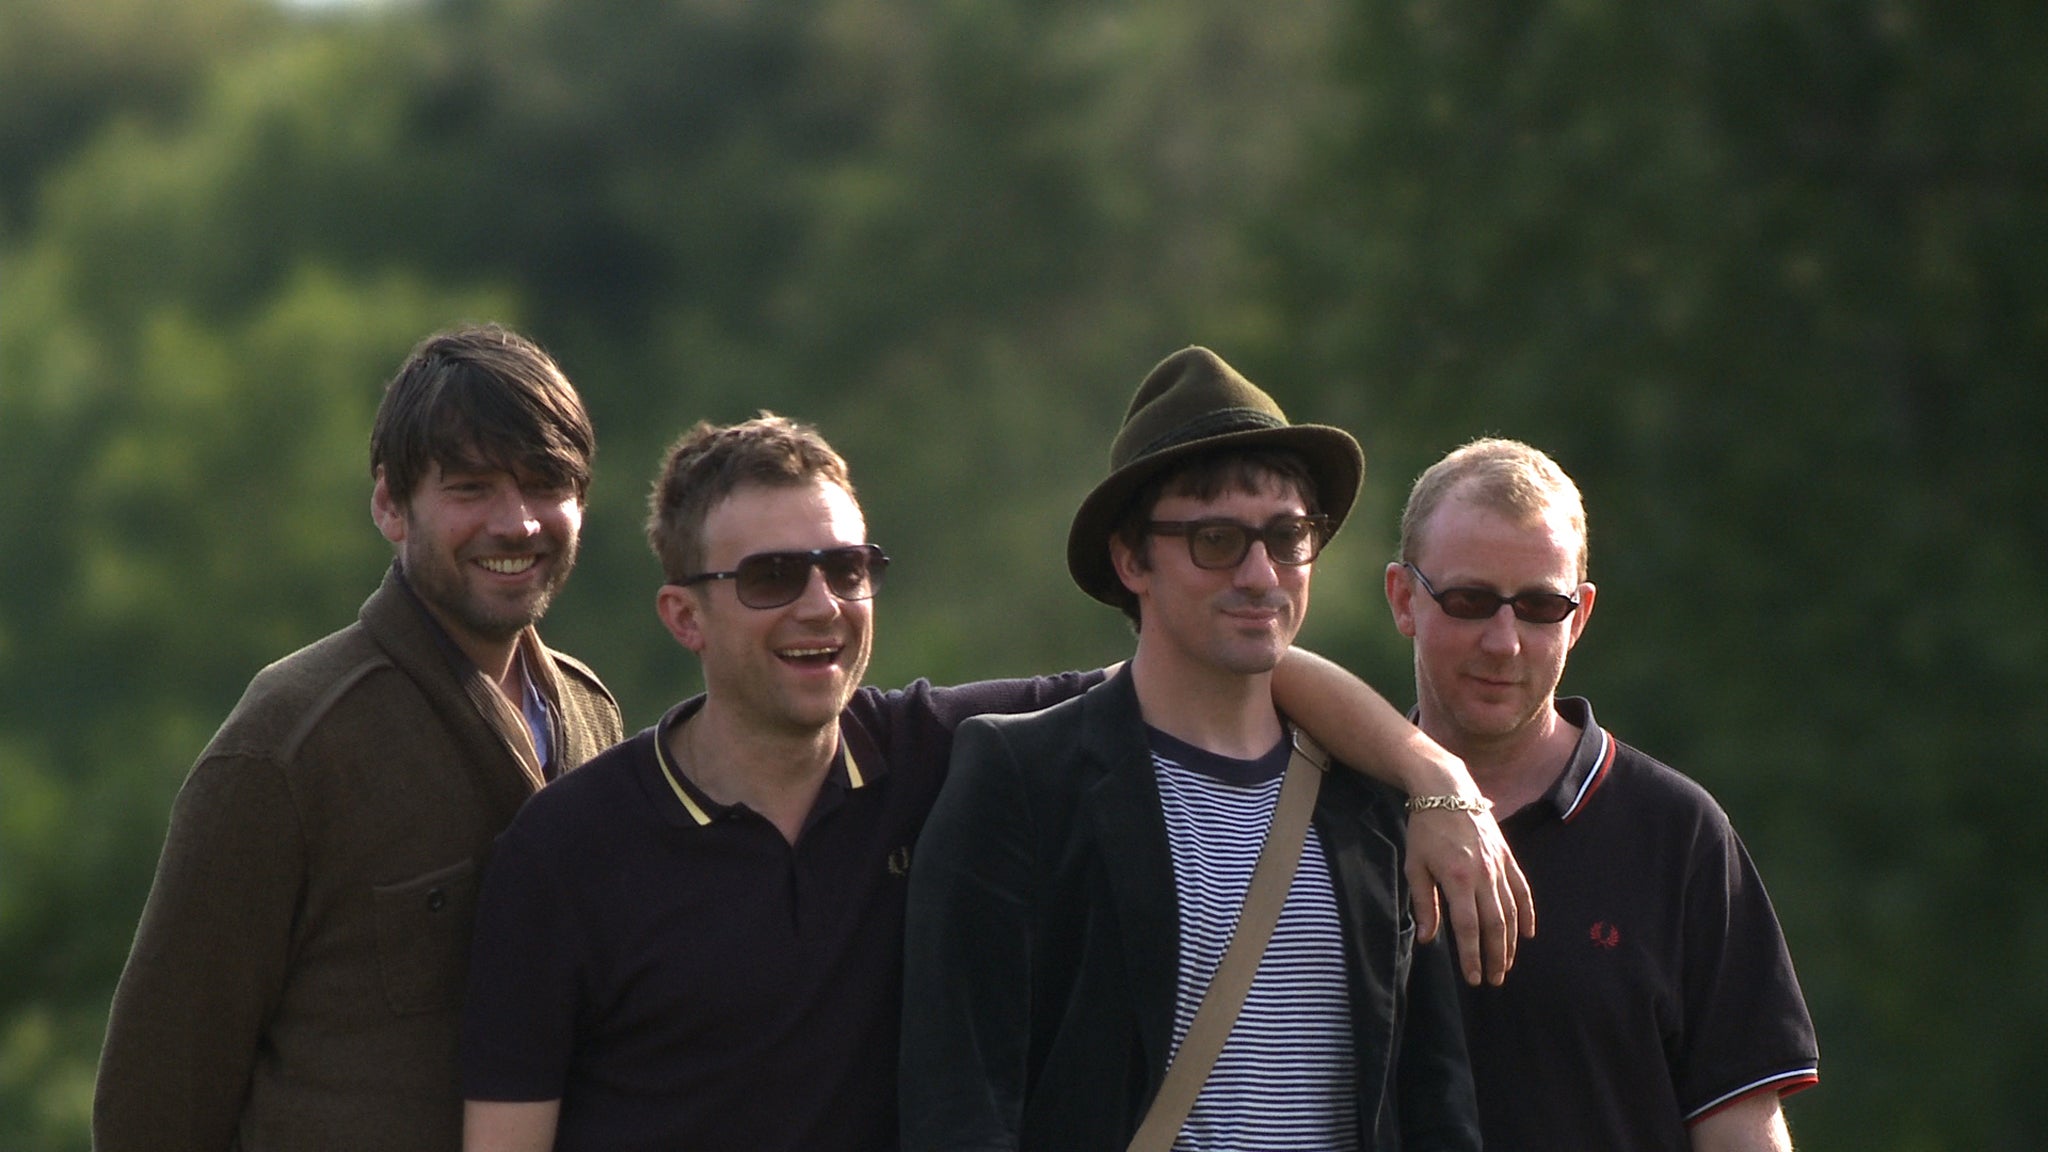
(1191, 404)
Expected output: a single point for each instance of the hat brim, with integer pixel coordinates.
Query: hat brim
(1334, 459)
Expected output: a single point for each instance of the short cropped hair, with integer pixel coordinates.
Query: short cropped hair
(710, 461)
(481, 395)
(1204, 477)
(1504, 476)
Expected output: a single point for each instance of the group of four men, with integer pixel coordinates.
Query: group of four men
(802, 913)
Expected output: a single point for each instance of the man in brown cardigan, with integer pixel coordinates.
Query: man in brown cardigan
(297, 978)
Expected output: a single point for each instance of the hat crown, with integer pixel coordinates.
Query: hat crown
(1191, 404)
(1191, 395)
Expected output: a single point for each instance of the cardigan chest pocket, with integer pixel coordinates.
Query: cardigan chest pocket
(423, 933)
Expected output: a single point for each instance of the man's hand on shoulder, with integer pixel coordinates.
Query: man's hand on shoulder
(1458, 851)
(1484, 894)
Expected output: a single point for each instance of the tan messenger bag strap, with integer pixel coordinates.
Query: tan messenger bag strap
(1272, 876)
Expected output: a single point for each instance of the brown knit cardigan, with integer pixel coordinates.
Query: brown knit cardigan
(296, 981)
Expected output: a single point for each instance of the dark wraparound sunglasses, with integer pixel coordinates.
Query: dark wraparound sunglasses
(1482, 603)
(1218, 543)
(773, 579)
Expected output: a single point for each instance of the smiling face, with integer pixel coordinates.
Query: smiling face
(787, 670)
(1235, 621)
(1482, 685)
(484, 549)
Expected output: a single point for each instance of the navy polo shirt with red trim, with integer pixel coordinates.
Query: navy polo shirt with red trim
(1658, 987)
(679, 975)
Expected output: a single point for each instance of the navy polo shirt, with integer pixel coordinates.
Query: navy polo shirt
(679, 975)
(1658, 987)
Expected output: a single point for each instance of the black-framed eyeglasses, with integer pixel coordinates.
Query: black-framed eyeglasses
(773, 579)
(1483, 603)
(1220, 543)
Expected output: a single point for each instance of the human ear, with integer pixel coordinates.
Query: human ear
(1584, 613)
(1131, 567)
(1400, 589)
(680, 613)
(386, 511)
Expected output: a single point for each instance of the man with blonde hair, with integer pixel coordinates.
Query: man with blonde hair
(1659, 1009)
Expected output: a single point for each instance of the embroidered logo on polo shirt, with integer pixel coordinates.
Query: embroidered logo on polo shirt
(899, 861)
(1605, 935)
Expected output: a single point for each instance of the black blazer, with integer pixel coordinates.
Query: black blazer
(1043, 946)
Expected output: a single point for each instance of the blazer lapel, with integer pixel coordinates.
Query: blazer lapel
(1130, 830)
(1363, 865)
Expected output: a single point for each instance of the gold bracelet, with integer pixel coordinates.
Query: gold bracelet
(1450, 803)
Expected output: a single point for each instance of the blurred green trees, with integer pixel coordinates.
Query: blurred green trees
(1763, 276)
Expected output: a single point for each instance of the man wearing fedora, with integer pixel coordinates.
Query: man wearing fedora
(1081, 880)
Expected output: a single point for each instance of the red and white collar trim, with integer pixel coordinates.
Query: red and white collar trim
(1603, 762)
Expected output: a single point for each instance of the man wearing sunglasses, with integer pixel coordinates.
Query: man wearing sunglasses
(1087, 866)
(1658, 1011)
(696, 940)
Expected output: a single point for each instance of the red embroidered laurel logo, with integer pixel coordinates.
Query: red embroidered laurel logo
(1606, 935)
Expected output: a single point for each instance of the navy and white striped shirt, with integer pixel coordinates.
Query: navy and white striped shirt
(1286, 1078)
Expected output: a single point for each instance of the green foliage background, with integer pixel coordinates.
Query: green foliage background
(1765, 276)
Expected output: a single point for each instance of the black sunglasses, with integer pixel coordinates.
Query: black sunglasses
(1289, 540)
(772, 579)
(1482, 603)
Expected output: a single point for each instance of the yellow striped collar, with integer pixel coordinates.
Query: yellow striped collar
(673, 773)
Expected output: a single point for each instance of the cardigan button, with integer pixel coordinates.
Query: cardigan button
(437, 900)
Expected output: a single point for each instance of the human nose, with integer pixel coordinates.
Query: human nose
(817, 600)
(513, 514)
(1501, 632)
(1257, 569)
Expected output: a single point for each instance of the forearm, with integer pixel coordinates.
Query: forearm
(167, 1082)
(206, 969)
(1753, 1124)
(1458, 849)
(509, 1126)
(1357, 726)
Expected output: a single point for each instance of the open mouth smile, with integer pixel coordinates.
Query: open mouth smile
(811, 657)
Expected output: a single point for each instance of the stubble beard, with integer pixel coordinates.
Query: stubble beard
(1259, 659)
(443, 587)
